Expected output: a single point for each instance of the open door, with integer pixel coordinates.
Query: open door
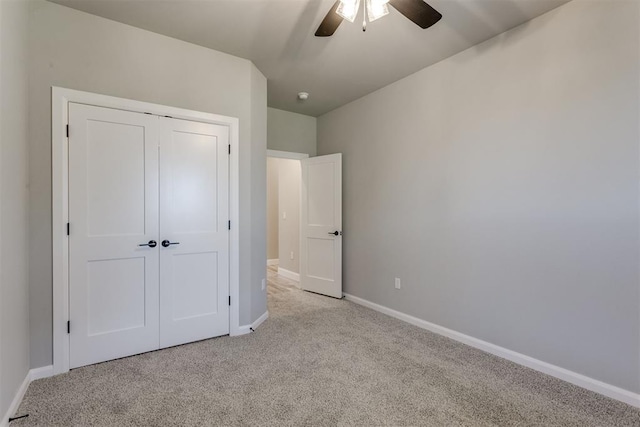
(321, 225)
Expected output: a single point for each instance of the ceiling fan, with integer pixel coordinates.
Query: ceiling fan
(417, 11)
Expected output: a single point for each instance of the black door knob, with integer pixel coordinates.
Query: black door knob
(336, 233)
(167, 243)
(151, 244)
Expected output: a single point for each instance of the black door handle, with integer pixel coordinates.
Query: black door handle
(151, 244)
(167, 243)
(336, 233)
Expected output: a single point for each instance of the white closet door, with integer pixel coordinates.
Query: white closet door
(113, 208)
(194, 214)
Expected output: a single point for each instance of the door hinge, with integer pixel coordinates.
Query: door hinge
(67, 131)
(229, 300)
(229, 224)
(229, 148)
(68, 326)
(68, 228)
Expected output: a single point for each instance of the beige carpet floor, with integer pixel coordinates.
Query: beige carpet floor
(317, 361)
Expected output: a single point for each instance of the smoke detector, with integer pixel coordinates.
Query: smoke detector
(303, 96)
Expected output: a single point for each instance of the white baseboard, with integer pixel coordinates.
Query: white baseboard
(260, 320)
(272, 262)
(39, 373)
(289, 274)
(243, 330)
(32, 375)
(580, 380)
(4, 422)
(246, 329)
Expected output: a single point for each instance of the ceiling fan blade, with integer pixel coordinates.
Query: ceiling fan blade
(417, 11)
(330, 23)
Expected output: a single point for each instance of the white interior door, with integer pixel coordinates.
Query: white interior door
(113, 209)
(194, 215)
(321, 225)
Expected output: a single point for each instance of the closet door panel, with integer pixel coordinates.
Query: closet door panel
(194, 206)
(113, 209)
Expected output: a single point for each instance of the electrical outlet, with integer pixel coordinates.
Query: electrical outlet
(291, 255)
(264, 284)
(398, 284)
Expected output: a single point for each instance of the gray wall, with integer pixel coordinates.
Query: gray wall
(272, 207)
(501, 186)
(290, 176)
(75, 50)
(257, 229)
(14, 289)
(291, 132)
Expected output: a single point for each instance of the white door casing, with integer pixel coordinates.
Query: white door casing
(62, 99)
(113, 208)
(321, 225)
(194, 215)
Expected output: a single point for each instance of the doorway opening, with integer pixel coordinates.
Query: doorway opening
(283, 215)
(304, 222)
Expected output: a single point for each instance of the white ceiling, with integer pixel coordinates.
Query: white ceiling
(277, 35)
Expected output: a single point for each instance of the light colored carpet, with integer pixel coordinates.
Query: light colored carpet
(317, 361)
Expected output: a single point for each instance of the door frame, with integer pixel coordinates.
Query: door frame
(287, 155)
(60, 99)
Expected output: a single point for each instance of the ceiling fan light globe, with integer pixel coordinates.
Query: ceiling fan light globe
(376, 9)
(348, 9)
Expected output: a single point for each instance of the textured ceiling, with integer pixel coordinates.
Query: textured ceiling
(277, 35)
